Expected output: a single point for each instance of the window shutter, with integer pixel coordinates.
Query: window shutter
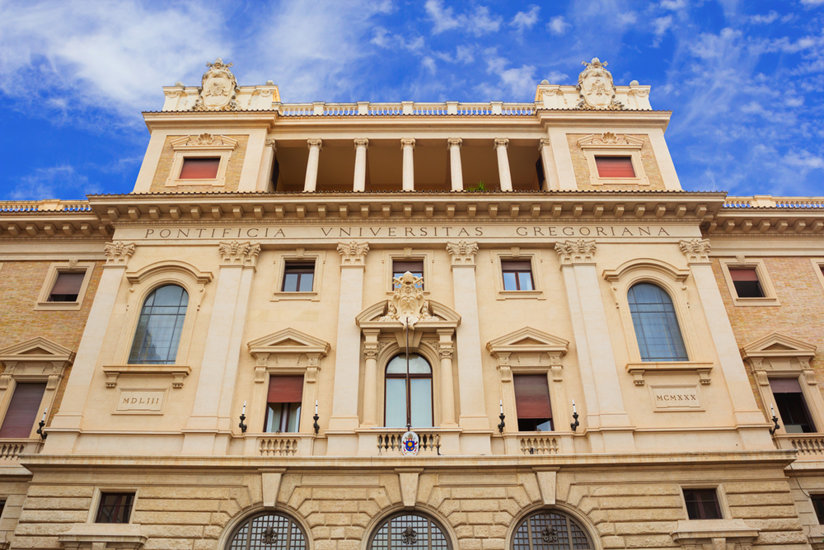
(68, 283)
(785, 385)
(414, 266)
(532, 396)
(615, 167)
(22, 410)
(743, 274)
(199, 168)
(516, 265)
(285, 389)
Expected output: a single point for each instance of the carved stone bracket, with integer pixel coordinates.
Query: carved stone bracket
(237, 253)
(462, 252)
(118, 252)
(353, 253)
(579, 251)
(177, 372)
(696, 250)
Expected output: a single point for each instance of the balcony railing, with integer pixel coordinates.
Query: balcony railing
(45, 206)
(539, 445)
(284, 444)
(365, 108)
(766, 201)
(807, 445)
(11, 449)
(391, 443)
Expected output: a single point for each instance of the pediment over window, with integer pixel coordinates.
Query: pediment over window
(609, 140)
(36, 349)
(288, 340)
(778, 345)
(436, 315)
(527, 339)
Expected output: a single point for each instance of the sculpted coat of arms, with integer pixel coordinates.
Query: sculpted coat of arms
(218, 88)
(595, 87)
(407, 304)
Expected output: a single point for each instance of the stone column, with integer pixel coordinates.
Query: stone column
(267, 164)
(455, 163)
(548, 164)
(344, 418)
(408, 146)
(446, 349)
(370, 378)
(504, 175)
(359, 181)
(211, 416)
(66, 424)
(599, 374)
(738, 386)
(470, 371)
(311, 181)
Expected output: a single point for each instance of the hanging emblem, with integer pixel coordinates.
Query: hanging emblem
(409, 536)
(410, 444)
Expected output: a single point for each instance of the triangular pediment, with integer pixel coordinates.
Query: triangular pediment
(440, 315)
(288, 340)
(608, 140)
(36, 349)
(778, 345)
(527, 339)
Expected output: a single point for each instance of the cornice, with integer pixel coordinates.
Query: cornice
(757, 222)
(623, 207)
(53, 225)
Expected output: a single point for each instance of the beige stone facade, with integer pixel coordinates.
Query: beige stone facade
(338, 196)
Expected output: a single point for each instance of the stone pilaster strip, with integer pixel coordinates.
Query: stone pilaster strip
(353, 253)
(462, 252)
(696, 250)
(238, 253)
(118, 252)
(578, 251)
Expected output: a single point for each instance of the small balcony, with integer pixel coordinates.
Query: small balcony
(810, 446)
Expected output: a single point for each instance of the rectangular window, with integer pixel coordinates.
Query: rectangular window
(614, 167)
(517, 274)
(818, 505)
(399, 267)
(114, 508)
(283, 404)
(298, 276)
(792, 408)
(532, 403)
(702, 504)
(67, 286)
(197, 168)
(22, 412)
(2, 507)
(745, 280)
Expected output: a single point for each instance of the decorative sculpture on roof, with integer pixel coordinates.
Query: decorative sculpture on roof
(218, 88)
(407, 304)
(595, 87)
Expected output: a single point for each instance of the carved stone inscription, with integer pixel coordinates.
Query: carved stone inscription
(675, 397)
(140, 401)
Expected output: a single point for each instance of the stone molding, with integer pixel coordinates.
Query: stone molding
(407, 142)
(353, 253)
(361, 142)
(454, 142)
(118, 252)
(501, 142)
(314, 143)
(578, 251)
(696, 250)
(462, 253)
(238, 253)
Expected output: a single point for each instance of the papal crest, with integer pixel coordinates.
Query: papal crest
(595, 87)
(218, 88)
(410, 444)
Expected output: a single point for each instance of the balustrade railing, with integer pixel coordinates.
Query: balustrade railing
(278, 445)
(392, 442)
(45, 206)
(406, 108)
(539, 445)
(765, 201)
(807, 445)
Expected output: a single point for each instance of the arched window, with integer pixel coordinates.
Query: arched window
(268, 531)
(656, 326)
(550, 530)
(408, 530)
(418, 394)
(158, 328)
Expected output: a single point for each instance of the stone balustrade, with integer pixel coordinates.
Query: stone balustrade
(45, 206)
(809, 446)
(767, 201)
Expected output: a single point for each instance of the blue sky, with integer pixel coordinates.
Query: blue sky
(744, 79)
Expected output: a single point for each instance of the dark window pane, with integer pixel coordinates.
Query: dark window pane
(656, 326)
(517, 274)
(614, 167)
(298, 277)
(159, 326)
(792, 409)
(702, 504)
(745, 281)
(268, 531)
(22, 410)
(408, 530)
(115, 507)
(66, 287)
(199, 168)
(818, 505)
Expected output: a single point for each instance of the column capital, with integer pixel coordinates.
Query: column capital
(238, 253)
(271, 142)
(353, 253)
(544, 142)
(361, 142)
(407, 142)
(118, 252)
(313, 142)
(696, 250)
(578, 251)
(454, 142)
(462, 252)
(501, 142)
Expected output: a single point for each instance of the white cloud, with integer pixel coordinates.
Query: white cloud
(513, 82)
(558, 25)
(661, 25)
(47, 183)
(556, 77)
(764, 19)
(805, 160)
(812, 2)
(429, 64)
(673, 5)
(477, 22)
(525, 19)
(385, 39)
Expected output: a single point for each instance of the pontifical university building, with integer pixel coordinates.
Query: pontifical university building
(441, 326)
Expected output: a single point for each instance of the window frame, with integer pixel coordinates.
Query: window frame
(441, 526)
(572, 516)
(243, 521)
(517, 255)
(295, 267)
(818, 266)
(769, 298)
(546, 380)
(54, 270)
(176, 360)
(820, 498)
(430, 377)
(301, 408)
(804, 404)
(184, 147)
(620, 145)
(98, 496)
(677, 322)
(300, 255)
(722, 511)
(408, 255)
